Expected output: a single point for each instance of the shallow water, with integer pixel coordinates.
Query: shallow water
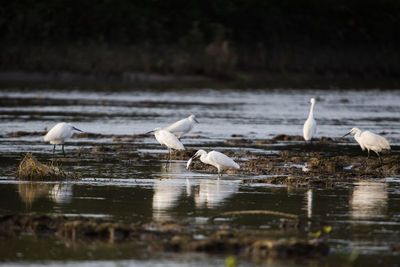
(364, 215)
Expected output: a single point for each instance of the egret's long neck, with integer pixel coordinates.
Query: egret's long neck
(311, 114)
(204, 158)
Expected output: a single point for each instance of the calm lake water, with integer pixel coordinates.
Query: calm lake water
(364, 215)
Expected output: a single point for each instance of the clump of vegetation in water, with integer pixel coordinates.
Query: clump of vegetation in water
(31, 169)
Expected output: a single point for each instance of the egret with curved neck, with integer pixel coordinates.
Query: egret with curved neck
(216, 159)
(370, 141)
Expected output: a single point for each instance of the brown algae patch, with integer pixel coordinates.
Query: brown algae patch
(163, 236)
(31, 169)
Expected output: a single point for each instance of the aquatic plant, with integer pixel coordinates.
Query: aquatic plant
(31, 169)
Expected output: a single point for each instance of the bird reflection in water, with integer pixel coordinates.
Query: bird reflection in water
(59, 193)
(167, 190)
(309, 198)
(369, 199)
(212, 192)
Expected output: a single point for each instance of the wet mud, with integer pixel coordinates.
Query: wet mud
(164, 236)
(280, 160)
(325, 162)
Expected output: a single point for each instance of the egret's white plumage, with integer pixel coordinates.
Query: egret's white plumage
(183, 126)
(58, 134)
(310, 126)
(216, 159)
(370, 141)
(167, 139)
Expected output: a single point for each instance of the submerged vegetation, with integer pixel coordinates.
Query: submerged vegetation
(241, 40)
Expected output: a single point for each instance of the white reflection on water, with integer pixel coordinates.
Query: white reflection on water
(213, 192)
(309, 196)
(369, 199)
(166, 195)
(167, 190)
(61, 193)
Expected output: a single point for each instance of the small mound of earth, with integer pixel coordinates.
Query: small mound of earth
(31, 169)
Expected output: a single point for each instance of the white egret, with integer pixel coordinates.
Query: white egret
(183, 126)
(59, 133)
(310, 126)
(167, 139)
(370, 141)
(216, 159)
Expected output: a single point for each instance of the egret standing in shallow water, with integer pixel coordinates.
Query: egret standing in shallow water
(310, 126)
(370, 141)
(216, 159)
(183, 126)
(59, 133)
(167, 139)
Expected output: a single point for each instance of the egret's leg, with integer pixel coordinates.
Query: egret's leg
(63, 150)
(368, 154)
(169, 158)
(54, 149)
(379, 156)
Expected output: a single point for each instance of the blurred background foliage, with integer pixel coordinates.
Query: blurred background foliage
(217, 38)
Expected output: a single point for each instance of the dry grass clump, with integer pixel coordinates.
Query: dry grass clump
(31, 169)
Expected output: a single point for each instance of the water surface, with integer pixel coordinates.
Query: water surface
(364, 215)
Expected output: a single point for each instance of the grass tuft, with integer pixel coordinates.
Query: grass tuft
(31, 169)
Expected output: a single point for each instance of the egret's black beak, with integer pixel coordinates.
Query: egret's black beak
(346, 134)
(152, 131)
(76, 129)
(196, 120)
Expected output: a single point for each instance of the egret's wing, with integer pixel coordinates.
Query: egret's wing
(222, 160)
(383, 143)
(170, 140)
(183, 125)
(373, 140)
(59, 132)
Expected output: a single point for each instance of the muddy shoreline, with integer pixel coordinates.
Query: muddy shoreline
(280, 160)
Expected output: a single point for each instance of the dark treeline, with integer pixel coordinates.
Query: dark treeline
(215, 37)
